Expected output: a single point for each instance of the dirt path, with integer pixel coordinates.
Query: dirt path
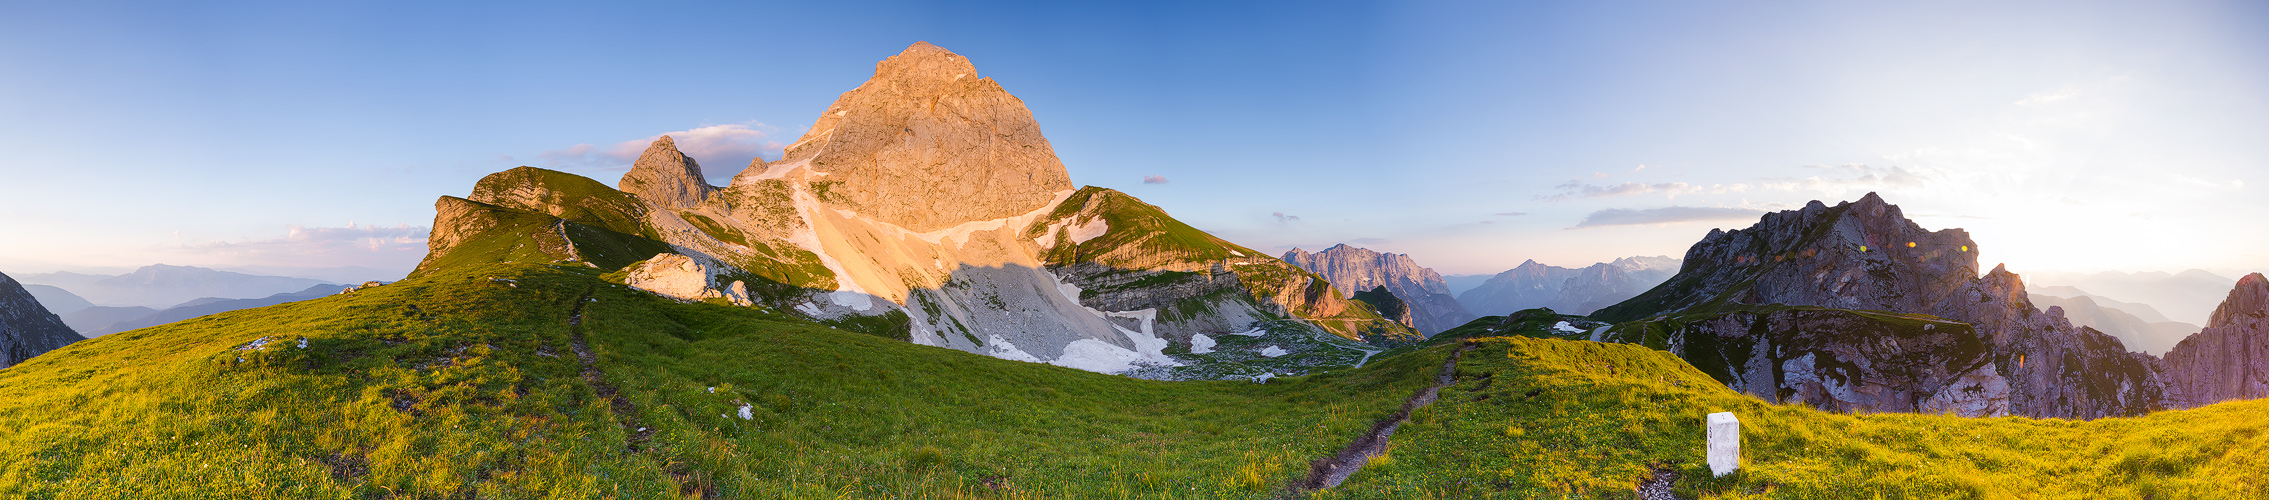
(1329, 472)
(625, 413)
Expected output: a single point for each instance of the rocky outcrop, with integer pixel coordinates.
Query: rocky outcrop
(2229, 359)
(1388, 305)
(684, 278)
(1837, 360)
(927, 143)
(1866, 255)
(666, 177)
(1353, 270)
(27, 329)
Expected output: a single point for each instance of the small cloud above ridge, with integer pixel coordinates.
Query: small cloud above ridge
(1154, 179)
(1664, 215)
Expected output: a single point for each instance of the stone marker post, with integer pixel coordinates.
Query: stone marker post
(1724, 443)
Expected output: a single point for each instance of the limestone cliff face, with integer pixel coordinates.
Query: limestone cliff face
(27, 329)
(1353, 270)
(666, 177)
(927, 143)
(1865, 255)
(2229, 359)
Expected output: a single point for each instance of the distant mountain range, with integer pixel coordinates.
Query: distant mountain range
(2188, 296)
(1564, 290)
(96, 321)
(163, 286)
(2139, 326)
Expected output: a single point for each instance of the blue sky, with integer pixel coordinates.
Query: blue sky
(2063, 135)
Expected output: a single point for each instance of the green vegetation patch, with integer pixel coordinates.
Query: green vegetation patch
(1531, 418)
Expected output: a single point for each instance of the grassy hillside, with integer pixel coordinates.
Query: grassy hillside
(468, 383)
(533, 381)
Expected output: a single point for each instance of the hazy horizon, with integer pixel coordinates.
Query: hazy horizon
(2074, 138)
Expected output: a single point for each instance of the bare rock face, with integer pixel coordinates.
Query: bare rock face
(667, 177)
(927, 144)
(27, 329)
(1840, 360)
(1866, 256)
(2230, 358)
(1354, 270)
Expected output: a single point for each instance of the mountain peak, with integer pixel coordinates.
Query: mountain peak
(927, 144)
(665, 176)
(2249, 297)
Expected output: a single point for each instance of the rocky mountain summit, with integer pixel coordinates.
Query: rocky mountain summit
(1353, 270)
(27, 328)
(1866, 256)
(927, 144)
(2229, 359)
(1570, 291)
(923, 206)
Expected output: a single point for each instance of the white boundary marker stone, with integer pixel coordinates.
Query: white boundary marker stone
(1724, 443)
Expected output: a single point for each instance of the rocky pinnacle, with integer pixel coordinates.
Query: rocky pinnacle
(666, 177)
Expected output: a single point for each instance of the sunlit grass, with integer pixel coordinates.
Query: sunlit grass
(466, 384)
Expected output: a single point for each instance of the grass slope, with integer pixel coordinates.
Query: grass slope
(467, 384)
(472, 383)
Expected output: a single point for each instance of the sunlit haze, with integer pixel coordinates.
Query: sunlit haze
(2079, 136)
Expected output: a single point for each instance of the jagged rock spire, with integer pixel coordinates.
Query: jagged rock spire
(666, 177)
(927, 144)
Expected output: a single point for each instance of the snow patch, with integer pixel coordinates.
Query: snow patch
(1272, 351)
(1099, 356)
(1201, 344)
(1565, 327)
(1255, 332)
(998, 347)
(1263, 378)
(810, 309)
(854, 300)
(1091, 230)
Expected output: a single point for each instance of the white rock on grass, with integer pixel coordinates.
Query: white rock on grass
(1724, 442)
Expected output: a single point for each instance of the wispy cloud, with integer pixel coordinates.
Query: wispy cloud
(1282, 218)
(1580, 190)
(2048, 97)
(1861, 178)
(1153, 179)
(722, 149)
(1664, 215)
(1510, 214)
(366, 245)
